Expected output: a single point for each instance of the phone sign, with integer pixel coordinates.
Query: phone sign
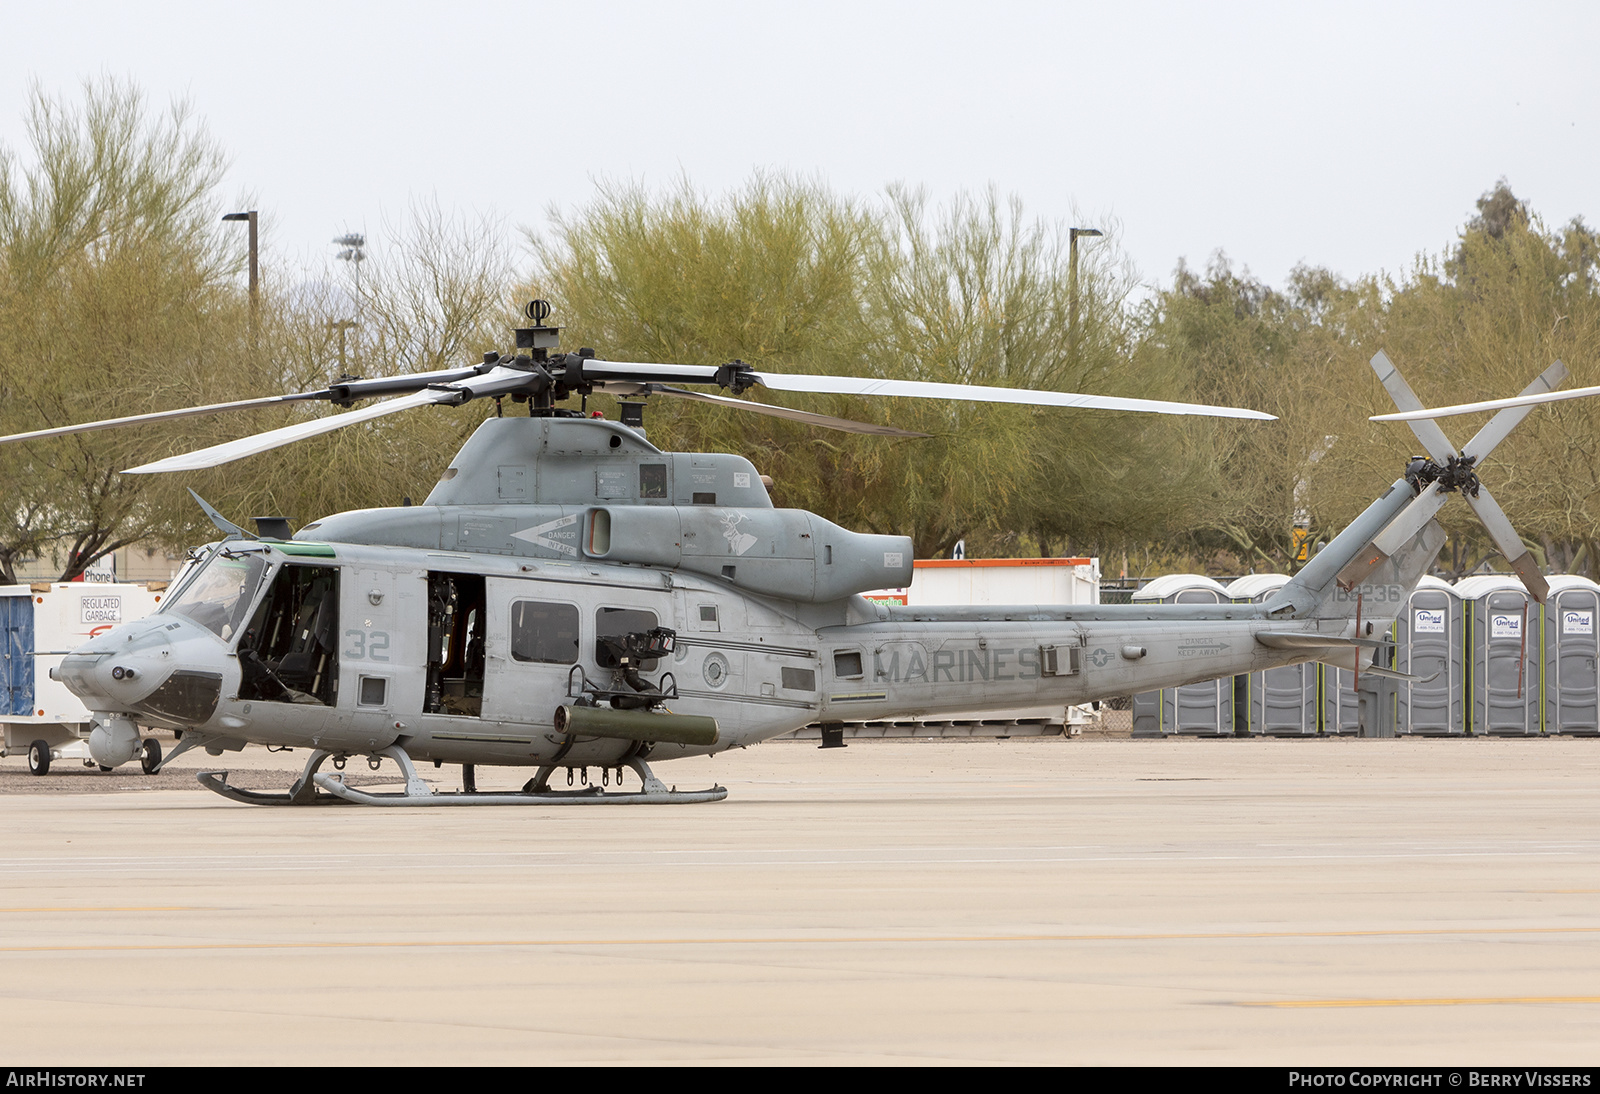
(100, 609)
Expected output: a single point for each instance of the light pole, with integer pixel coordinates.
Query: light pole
(1072, 281)
(342, 325)
(1072, 277)
(353, 253)
(353, 242)
(255, 278)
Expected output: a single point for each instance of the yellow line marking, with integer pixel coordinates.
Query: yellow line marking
(1483, 1001)
(791, 940)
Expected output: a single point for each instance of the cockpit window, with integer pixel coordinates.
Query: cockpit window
(219, 595)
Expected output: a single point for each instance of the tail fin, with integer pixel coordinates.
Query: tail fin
(1315, 593)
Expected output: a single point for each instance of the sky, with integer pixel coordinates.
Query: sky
(1354, 136)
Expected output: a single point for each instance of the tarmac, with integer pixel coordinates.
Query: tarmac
(1304, 903)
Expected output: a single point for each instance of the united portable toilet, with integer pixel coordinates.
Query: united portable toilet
(1570, 648)
(1429, 643)
(1503, 655)
(1280, 702)
(1204, 709)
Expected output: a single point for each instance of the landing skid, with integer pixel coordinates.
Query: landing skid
(537, 792)
(303, 792)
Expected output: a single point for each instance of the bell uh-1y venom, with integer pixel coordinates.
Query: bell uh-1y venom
(571, 597)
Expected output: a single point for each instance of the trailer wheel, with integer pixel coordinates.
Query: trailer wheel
(150, 755)
(38, 758)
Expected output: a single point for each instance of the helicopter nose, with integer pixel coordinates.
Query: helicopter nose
(164, 671)
(161, 665)
(121, 667)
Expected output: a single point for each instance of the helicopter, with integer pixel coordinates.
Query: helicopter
(569, 597)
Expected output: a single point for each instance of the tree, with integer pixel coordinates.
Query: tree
(114, 295)
(787, 276)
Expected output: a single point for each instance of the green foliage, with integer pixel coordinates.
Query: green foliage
(789, 277)
(112, 302)
(120, 294)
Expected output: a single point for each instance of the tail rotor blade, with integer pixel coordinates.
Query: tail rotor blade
(1510, 544)
(1434, 442)
(1495, 430)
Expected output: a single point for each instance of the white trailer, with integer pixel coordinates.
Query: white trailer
(41, 624)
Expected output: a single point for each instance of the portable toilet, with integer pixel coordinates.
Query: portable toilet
(1571, 648)
(1502, 654)
(1204, 709)
(1428, 643)
(1280, 702)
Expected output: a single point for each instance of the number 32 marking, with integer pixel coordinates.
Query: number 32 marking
(366, 647)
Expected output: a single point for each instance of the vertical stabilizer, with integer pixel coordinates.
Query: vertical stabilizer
(1315, 592)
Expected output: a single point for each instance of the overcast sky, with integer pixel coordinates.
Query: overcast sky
(1352, 136)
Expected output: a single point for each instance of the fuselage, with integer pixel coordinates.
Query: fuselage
(465, 658)
(456, 629)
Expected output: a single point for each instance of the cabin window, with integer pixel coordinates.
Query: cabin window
(289, 652)
(374, 691)
(544, 633)
(799, 679)
(614, 623)
(652, 480)
(847, 664)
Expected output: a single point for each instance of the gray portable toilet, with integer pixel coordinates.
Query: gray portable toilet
(1280, 702)
(1428, 642)
(1204, 709)
(1571, 645)
(1503, 655)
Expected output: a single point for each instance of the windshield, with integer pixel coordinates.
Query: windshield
(219, 595)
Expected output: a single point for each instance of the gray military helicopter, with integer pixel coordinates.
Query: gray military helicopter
(571, 597)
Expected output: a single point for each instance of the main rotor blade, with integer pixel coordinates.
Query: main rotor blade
(160, 416)
(343, 391)
(915, 389)
(1511, 546)
(924, 389)
(845, 425)
(1491, 404)
(1434, 442)
(497, 381)
(219, 454)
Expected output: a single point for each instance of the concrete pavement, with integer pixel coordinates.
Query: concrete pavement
(1047, 901)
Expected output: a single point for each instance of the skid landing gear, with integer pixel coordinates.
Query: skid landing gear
(303, 792)
(315, 788)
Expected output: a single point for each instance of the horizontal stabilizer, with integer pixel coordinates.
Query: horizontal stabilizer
(1299, 641)
(1406, 676)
